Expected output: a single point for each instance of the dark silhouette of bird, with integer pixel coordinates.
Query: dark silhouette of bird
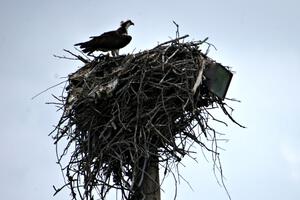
(108, 41)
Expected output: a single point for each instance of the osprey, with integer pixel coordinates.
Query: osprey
(108, 41)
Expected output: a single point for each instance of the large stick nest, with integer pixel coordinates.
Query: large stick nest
(118, 113)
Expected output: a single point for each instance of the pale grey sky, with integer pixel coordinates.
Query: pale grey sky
(258, 38)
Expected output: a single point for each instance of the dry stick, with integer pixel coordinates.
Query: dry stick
(77, 56)
(199, 77)
(200, 42)
(177, 29)
(208, 48)
(87, 58)
(64, 57)
(170, 41)
(230, 117)
(47, 89)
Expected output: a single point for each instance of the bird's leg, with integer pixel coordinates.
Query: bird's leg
(92, 55)
(115, 53)
(112, 53)
(102, 56)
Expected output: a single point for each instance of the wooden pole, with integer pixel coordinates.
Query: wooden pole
(151, 183)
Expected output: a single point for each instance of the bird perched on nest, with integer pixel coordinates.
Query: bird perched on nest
(108, 41)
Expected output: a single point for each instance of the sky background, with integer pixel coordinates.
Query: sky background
(258, 38)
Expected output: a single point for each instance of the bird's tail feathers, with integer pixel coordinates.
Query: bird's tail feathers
(78, 44)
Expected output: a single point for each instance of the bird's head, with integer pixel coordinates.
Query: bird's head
(126, 24)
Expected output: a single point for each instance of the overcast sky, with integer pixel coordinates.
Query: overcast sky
(258, 38)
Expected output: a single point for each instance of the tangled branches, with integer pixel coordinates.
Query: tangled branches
(121, 114)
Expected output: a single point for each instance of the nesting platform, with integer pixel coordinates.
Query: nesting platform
(122, 113)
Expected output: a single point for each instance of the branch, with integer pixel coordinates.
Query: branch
(177, 29)
(171, 41)
(77, 56)
(47, 89)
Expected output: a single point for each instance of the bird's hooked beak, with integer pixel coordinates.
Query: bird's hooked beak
(128, 23)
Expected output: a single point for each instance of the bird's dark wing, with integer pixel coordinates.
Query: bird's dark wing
(111, 42)
(106, 33)
(108, 41)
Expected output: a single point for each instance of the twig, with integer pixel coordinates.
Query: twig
(77, 56)
(172, 41)
(199, 77)
(177, 29)
(64, 57)
(38, 94)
